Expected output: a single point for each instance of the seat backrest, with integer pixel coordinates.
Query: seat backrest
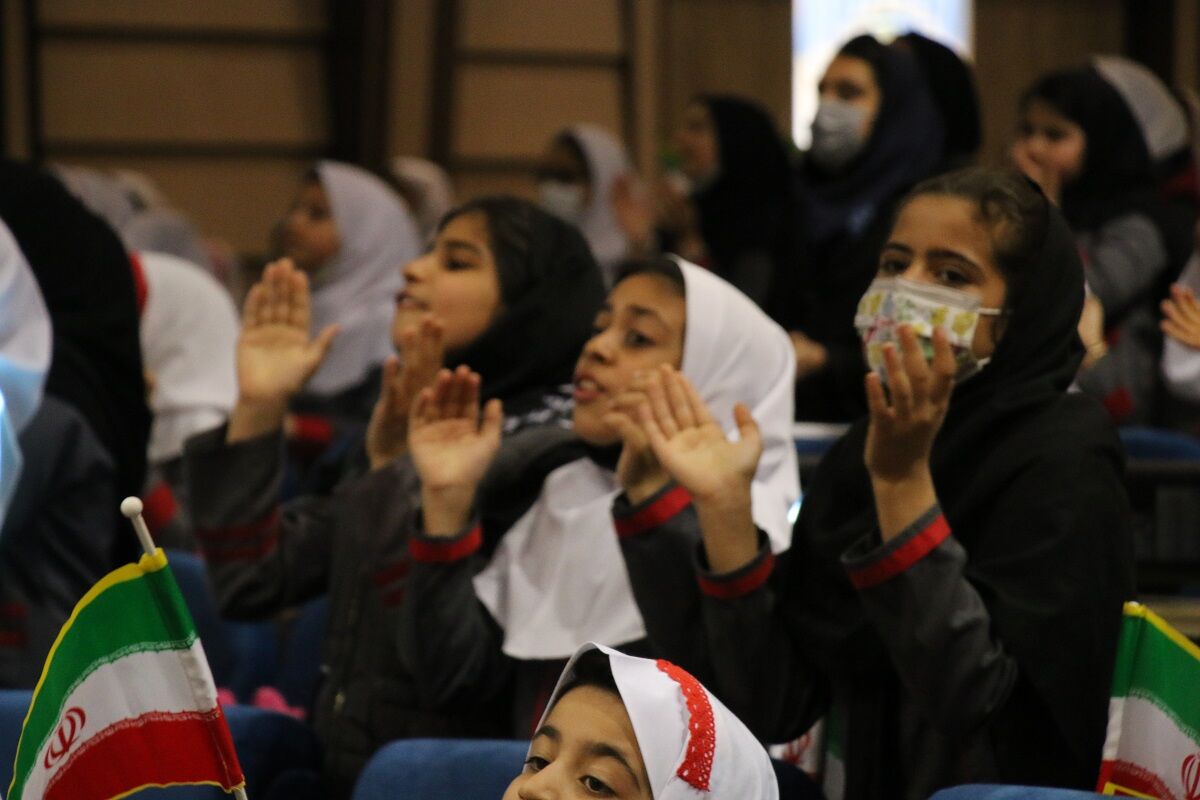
(431, 769)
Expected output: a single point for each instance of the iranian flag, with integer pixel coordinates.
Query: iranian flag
(126, 699)
(1153, 743)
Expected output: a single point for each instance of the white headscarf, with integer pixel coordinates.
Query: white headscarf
(25, 334)
(1159, 115)
(606, 162)
(692, 745)
(431, 183)
(357, 290)
(26, 343)
(558, 577)
(189, 335)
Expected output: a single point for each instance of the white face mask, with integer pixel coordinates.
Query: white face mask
(563, 200)
(891, 302)
(837, 137)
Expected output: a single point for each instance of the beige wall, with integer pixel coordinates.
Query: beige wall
(222, 127)
(106, 92)
(1018, 40)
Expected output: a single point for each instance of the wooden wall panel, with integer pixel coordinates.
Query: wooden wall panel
(560, 26)
(738, 46)
(256, 15)
(1019, 40)
(201, 93)
(511, 112)
(237, 198)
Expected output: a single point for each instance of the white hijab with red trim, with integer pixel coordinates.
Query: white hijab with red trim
(692, 745)
(558, 577)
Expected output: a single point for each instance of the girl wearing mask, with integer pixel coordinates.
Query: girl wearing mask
(1080, 140)
(579, 172)
(876, 133)
(506, 289)
(661, 736)
(557, 578)
(975, 515)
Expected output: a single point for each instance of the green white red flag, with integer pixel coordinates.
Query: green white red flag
(126, 699)
(1153, 743)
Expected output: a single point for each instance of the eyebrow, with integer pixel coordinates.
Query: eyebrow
(593, 750)
(460, 244)
(643, 311)
(936, 253)
(602, 750)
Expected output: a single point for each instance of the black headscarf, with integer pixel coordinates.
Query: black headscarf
(550, 288)
(951, 82)
(87, 282)
(749, 205)
(1034, 556)
(1117, 175)
(904, 147)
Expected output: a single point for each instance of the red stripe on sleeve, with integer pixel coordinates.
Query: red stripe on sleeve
(733, 588)
(444, 552)
(902, 557)
(160, 507)
(240, 533)
(655, 514)
(312, 429)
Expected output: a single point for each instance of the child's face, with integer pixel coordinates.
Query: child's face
(939, 240)
(456, 282)
(851, 80)
(697, 142)
(1051, 141)
(586, 749)
(309, 233)
(640, 327)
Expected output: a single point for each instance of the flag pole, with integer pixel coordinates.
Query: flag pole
(132, 508)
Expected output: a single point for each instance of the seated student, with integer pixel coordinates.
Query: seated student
(189, 335)
(576, 180)
(507, 289)
(557, 578)
(57, 485)
(636, 729)
(952, 598)
(84, 276)
(351, 234)
(1080, 139)
(876, 133)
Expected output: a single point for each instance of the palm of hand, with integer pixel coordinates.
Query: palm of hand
(704, 461)
(274, 359)
(452, 452)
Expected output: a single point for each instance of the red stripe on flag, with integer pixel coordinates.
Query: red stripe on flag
(158, 748)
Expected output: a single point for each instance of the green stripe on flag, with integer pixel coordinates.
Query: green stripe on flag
(133, 609)
(1159, 667)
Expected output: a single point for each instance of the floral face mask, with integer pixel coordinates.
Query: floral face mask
(892, 302)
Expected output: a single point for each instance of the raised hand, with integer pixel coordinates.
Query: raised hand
(902, 429)
(1182, 316)
(276, 355)
(694, 450)
(633, 211)
(423, 354)
(690, 444)
(452, 447)
(638, 470)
